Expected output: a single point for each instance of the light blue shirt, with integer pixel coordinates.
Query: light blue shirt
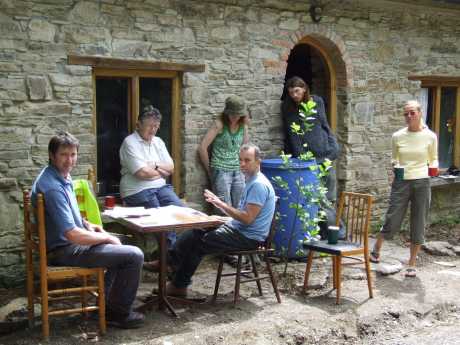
(258, 191)
(61, 208)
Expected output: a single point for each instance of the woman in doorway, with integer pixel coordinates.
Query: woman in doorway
(319, 138)
(414, 149)
(226, 136)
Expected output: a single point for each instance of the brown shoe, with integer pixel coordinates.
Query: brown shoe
(171, 290)
(154, 266)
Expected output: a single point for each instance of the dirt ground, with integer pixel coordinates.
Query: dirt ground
(421, 310)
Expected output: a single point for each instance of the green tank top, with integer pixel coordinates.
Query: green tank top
(226, 149)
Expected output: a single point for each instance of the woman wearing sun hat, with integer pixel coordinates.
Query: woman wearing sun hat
(225, 138)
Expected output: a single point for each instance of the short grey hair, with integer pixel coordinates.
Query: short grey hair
(248, 146)
(150, 112)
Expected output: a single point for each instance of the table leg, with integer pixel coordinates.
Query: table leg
(162, 295)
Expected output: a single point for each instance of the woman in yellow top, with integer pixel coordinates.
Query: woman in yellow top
(414, 148)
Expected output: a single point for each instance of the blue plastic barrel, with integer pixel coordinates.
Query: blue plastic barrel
(289, 232)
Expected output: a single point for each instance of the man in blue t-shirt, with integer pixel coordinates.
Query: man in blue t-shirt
(73, 241)
(249, 226)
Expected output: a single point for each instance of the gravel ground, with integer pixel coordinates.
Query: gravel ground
(421, 310)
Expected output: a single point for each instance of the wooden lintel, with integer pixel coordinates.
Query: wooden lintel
(436, 79)
(114, 63)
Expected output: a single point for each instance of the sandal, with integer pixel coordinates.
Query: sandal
(374, 257)
(410, 272)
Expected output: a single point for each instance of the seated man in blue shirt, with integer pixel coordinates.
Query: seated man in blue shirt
(248, 228)
(72, 241)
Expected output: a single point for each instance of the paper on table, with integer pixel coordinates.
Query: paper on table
(126, 212)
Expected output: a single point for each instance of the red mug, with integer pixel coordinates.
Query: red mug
(109, 201)
(433, 171)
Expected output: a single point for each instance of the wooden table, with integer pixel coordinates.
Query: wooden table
(161, 221)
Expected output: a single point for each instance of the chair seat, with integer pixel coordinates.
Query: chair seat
(333, 249)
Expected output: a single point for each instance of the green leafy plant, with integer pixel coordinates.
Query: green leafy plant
(313, 194)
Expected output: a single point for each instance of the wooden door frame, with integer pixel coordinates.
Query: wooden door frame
(331, 76)
(176, 124)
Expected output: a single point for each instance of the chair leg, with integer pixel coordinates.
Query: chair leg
(101, 302)
(45, 316)
(307, 271)
(334, 271)
(368, 273)
(30, 297)
(272, 278)
(338, 271)
(256, 274)
(218, 278)
(84, 299)
(236, 294)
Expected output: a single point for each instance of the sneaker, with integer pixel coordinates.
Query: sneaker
(133, 320)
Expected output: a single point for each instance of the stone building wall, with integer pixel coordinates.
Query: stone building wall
(244, 44)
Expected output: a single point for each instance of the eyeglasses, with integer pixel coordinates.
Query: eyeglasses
(411, 113)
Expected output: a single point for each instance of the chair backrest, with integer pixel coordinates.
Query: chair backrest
(271, 234)
(34, 231)
(355, 211)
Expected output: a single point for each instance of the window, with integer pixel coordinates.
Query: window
(119, 97)
(122, 88)
(441, 101)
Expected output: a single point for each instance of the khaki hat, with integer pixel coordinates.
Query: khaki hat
(235, 105)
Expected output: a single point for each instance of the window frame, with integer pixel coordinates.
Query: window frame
(134, 76)
(438, 82)
(135, 69)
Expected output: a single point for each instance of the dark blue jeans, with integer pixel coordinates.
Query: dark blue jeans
(123, 263)
(156, 197)
(193, 245)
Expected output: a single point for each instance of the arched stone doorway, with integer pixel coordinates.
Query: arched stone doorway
(322, 62)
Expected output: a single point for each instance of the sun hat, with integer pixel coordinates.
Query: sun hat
(235, 105)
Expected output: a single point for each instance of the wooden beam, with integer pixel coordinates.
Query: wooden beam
(434, 80)
(457, 130)
(114, 63)
(176, 143)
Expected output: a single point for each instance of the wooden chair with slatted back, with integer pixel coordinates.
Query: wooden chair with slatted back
(35, 243)
(355, 211)
(252, 274)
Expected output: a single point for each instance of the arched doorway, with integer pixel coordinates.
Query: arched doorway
(323, 64)
(310, 61)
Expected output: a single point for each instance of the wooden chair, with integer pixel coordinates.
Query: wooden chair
(355, 211)
(252, 274)
(35, 243)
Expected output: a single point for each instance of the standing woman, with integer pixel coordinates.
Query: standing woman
(226, 136)
(414, 148)
(319, 138)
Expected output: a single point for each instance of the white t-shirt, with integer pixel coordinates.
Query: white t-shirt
(136, 153)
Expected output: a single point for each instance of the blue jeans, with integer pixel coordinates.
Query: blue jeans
(228, 186)
(123, 263)
(156, 197)
(193, 245)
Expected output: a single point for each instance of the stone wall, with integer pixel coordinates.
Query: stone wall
(374, 46)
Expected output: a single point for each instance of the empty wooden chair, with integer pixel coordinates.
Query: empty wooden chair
(35, 243)
(355, 211)
(252, 274)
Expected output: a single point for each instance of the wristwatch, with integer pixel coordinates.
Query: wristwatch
(156, 166)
